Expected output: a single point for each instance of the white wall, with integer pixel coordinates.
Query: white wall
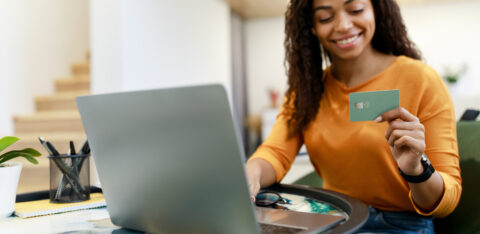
(445, 32)
(159, 43)
(5, 108)
(39, 41)
(265, 55)
(106, 46)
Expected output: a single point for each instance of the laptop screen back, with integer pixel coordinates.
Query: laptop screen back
(169, 160)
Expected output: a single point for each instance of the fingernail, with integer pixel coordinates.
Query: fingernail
(378, 119)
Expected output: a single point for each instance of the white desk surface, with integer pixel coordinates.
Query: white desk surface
(82, 221)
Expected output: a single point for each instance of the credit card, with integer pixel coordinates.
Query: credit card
(367, 106)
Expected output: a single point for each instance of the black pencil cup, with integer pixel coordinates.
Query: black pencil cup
(69, 178)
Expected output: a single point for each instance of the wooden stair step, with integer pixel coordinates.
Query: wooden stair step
(76, 92)
(81, 77)
(75, 84)
(80, 68)
(49, 121)
(59, 101)
(57, 120)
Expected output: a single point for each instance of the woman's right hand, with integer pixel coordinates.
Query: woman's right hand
(259, 173)
(253, 177)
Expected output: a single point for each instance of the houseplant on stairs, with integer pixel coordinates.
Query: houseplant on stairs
(10, 173)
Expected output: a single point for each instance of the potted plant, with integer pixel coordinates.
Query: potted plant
(452, 76)
(10, 173)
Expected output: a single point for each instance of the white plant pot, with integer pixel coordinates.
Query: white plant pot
(9, 176)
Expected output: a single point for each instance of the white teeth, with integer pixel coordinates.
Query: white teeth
(346, 41)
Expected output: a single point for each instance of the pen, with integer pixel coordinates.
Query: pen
(52, 149)
(85, 150)
(62, 182)
(72, 148)
(74, 160)
(71, 178)
(44, 144)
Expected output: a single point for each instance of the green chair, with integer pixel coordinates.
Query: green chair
(466, 217)
(311, 179)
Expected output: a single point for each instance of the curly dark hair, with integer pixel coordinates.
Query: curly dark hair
(304, 57)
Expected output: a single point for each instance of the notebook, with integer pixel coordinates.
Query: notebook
(44, 207)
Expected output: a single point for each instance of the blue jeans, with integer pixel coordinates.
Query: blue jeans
(397, 222)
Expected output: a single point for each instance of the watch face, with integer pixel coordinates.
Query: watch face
(425, 159)
(426, 163)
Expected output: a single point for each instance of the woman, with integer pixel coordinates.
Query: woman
(378, 162)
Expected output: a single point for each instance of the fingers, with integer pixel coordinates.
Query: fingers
(405, 134)
(259, 173)
(397, 129)
(398, 113)
(253, 179)
(414, 144)
(404, 129)
(397, 134)
(254, 189)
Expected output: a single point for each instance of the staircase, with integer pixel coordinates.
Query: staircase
(57, 120)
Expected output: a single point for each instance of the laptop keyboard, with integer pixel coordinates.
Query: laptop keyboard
(275, 229)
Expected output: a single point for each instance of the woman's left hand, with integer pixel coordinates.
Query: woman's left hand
(406, 137)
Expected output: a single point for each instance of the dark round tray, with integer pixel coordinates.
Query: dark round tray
(356, 210)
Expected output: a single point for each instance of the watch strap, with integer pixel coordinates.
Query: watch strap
(427, 172)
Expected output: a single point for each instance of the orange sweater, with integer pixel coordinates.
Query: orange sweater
(354, 158)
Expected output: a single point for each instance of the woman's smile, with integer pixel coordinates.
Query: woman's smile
(347, 41)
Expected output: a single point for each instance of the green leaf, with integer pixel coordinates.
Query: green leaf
(7, 141)
(17, 153)
(32, 152)
(31, 159)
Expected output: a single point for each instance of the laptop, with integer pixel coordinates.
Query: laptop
(171, 161)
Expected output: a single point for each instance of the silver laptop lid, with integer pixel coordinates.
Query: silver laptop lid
(169, 160)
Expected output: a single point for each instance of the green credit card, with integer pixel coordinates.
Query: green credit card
(367, 106)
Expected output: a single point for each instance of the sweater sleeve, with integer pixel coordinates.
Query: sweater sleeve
(436, 112)
(278, 149)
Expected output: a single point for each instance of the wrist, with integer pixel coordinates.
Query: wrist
(414, 170)
(253, 169)
(426, 173)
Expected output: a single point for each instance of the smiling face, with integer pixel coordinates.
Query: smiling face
(345, 28)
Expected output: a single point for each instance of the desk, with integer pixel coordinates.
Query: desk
(97, 220)
(357, 211)
(82, 221)
(86, 221)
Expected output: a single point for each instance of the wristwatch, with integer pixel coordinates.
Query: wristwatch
(428, 170)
